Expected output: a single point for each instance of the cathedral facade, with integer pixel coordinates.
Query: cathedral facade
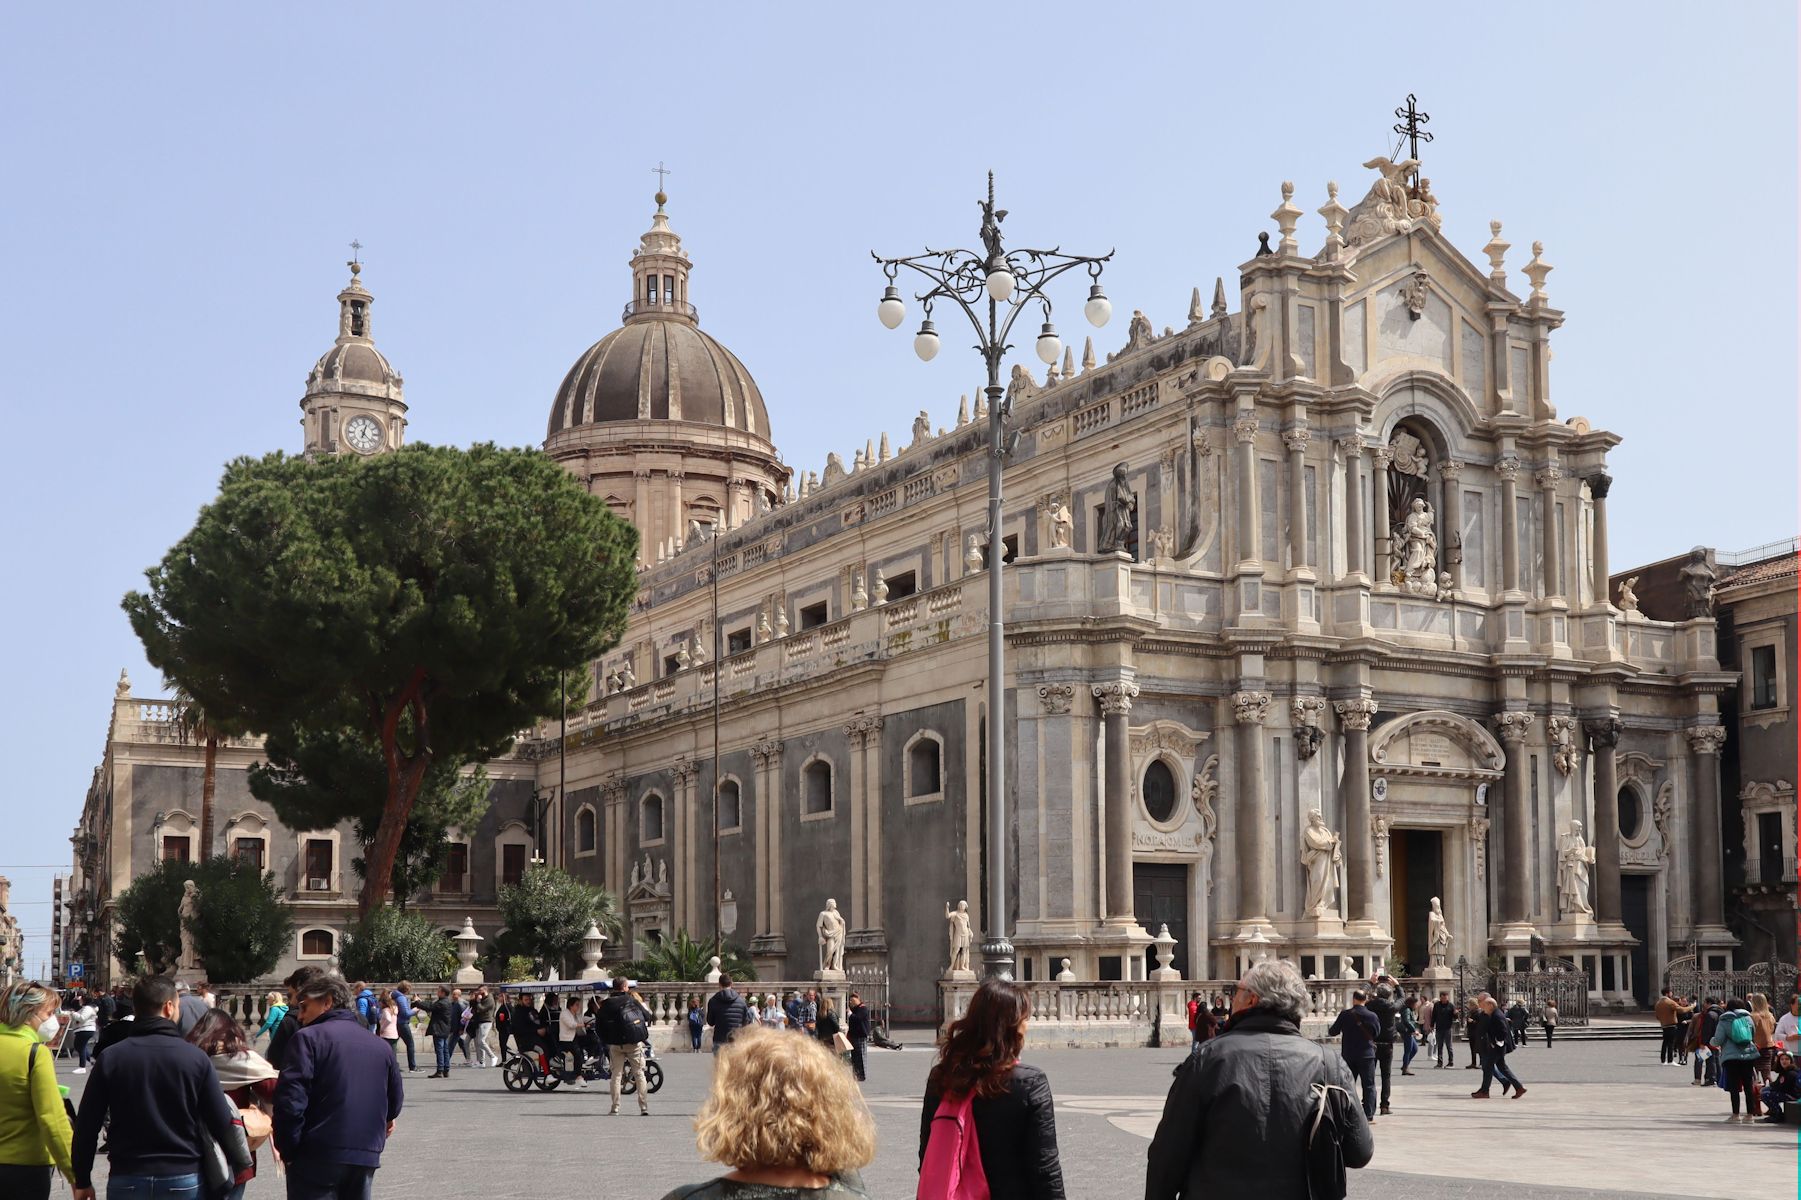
(1357, 655)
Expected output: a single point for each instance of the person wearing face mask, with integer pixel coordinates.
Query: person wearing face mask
(154, 1093)
(35, 1135)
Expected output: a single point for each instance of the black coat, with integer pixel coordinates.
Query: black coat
(858, 1020)
(446, 1018)
(1444, 1015)
(1235, 1118)
(727, 1013)
(1017, 1132)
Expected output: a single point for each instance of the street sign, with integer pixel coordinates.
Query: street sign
(75, 970)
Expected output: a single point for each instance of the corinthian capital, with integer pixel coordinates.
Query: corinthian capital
(1450, 468)
(1513, 726)
(1056, 698)
(1598, 485)
(1508, 469)
(1547, 478)
(1296, 439)
(1383, 457)
(685, 770)
(1250, 708)
(1706, 739)
(1245, 429)
(1116, 698)
(1352, 444)
(1603, 734)
(1355, 713)
(766, 753)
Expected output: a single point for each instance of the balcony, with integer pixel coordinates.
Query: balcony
(672, 308)
(1762, 873)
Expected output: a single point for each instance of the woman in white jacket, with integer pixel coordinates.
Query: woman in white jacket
(572, 1030)
(83, 1027)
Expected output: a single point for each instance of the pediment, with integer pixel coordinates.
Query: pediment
(1437, 743)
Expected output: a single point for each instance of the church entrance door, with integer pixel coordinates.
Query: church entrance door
(1635, 914)
(1417, 873)
(1160, 897)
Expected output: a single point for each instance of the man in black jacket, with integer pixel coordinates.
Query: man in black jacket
(625, 1031)
(1359, 1028)
(727, 1013)
(1238, 1113)
(1387, 1015)
(289, 1025)
(1494, 1036)
(445, 1024)
(857, 1029)
(1444, 1023)
(160, 1092)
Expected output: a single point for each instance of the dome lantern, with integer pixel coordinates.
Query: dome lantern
(660, 273)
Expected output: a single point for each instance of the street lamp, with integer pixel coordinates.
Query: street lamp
(1005, 283)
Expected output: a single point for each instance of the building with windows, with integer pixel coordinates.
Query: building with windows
(1357, 565)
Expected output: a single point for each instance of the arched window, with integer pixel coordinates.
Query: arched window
(1632, 813)
(650, 820)
(584, 830)
(316, 943)
(731, 805)
(816, 788)
(924, 767)
(1159, 791)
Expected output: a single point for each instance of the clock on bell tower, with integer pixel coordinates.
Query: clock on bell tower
(354, 402)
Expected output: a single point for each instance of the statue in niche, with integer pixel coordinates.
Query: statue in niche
(830, 927)
(1062, 524)
(1697, 584)
(1574, 857)
(1407, 475)
(1416, 567)
(1438, 934)
(1119, 515)
(958, 921)
(1320, 855)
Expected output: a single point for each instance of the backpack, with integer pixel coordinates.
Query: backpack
(1323, 1148)
(1738, 1032)
(951, 1168)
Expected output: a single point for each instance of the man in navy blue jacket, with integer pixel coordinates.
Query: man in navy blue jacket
(1360, 1028)
(337, 1098)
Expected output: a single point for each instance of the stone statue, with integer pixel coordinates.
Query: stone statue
(1418, 567)
(1390, 205)
(1062, 524)
(958, 920)
(1438, 934)
(1320, 855)
(662, 873)
(764, 633)
(1020, 384)
(1574, 857)
(1138, 332)
(1697, 584)
(1628, 597)
(830, 927)
(637, 875)
(190, 916)
(649, 870)
(627, 676)
(834, 470)
(972, 555)
(1119, 513)
(922, 428)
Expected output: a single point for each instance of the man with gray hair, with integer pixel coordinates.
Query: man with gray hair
(1238, 1115)
(337, 1098)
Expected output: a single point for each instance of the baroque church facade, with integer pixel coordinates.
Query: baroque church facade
(1365, 576)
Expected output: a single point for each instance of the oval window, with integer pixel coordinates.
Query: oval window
(1632, 813)
(1159, 791)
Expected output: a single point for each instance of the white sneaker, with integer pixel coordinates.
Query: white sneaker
(80, 1071)
(581, 1085)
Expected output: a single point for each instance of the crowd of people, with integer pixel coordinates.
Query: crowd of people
(1739, 1045)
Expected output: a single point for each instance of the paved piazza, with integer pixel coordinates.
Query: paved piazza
(1601, 1120)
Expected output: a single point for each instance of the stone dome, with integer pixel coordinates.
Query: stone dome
(353, 362)
(659, 369)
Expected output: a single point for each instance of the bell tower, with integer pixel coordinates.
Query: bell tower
(354, 401)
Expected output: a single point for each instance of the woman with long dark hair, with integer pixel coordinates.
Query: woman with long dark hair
(247, 1079)
(1015, 1119)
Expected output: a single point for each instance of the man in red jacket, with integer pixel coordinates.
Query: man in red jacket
(337, 1099)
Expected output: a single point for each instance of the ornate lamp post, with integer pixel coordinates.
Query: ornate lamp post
(992, 287)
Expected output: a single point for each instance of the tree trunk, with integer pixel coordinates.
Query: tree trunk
(209, 782)
(405, 777)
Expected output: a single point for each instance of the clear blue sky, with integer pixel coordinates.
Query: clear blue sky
(182, 180)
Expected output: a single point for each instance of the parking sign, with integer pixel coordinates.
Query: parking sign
(74, 970)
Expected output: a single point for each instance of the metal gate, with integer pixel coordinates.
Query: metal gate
(1686, 977)
(1551, 981)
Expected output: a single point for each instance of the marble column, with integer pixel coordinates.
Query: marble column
(1359, 834)
(1116, 705)
(1598, 487)
(1603, 739)
(1509, 471)
(1710, 897)
(1383, 457)
(1516, 821)
(641, 516)
(872, 824)
(1298, 516)
(1245, 430)
(857, 916)
(1353, 507)
(1450, 535)
(679, 831)
(1251, 820)
(1547, 520)
(768, 757)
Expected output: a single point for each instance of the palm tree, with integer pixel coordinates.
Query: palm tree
(191, 721)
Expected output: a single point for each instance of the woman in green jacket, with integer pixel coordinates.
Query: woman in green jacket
(34, 1126)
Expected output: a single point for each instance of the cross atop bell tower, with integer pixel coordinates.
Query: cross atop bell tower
(1412, 129)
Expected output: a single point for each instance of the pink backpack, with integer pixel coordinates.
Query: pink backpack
(952, 1167)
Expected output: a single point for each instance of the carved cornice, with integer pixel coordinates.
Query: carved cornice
(1513, 726)
(1250, 708)
(1056, 698)
(1604, 733)
(1356, 713)
(1706, 739)
(1116, 698)
(1172, 736)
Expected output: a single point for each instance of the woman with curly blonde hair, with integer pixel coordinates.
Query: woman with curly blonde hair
(785, 1115)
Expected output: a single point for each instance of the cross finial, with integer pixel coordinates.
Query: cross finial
(661, 172)
(356, 257)
(1411, 128)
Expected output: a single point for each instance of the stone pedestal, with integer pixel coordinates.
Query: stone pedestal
(769, 955)
(466, 941)
(1125, 939)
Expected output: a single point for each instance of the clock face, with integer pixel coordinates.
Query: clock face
(363, 434)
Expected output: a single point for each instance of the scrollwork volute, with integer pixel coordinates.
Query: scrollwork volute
(1116, 698)
(1706, 739)
(1250, 708)
(1356, 713)
(1056, 698)
(1513, 726)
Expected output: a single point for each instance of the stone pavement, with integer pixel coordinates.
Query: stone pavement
(1600, 1121)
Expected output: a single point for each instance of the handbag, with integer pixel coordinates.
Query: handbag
(216, 1174)
(840, 1043)
(258, 1126)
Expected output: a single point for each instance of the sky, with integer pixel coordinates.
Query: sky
(182, 182)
